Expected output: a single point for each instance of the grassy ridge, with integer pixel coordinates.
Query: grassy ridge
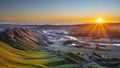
(11, 57)
(14, 58)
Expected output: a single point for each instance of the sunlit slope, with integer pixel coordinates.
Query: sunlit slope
(10, 57)
(14, 58)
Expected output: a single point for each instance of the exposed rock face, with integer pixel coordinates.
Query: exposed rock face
(22, 35)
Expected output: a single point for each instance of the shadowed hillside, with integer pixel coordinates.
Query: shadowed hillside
(21, 38)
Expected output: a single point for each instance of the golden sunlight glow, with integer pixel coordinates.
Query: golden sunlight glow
(99, 20)
(99, 31)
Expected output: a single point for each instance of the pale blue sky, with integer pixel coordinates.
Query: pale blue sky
(50, 10)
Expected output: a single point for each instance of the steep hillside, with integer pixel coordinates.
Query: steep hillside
(21, 38)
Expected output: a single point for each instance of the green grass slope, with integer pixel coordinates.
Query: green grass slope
(14, 58)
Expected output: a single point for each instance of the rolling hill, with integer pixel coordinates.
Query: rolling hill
(21, 48)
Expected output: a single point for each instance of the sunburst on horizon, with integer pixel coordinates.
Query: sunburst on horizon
(100, 20)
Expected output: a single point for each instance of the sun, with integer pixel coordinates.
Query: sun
(99, 20)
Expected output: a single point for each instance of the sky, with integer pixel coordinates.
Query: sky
(60, 10)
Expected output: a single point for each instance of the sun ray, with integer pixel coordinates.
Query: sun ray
(105, 32)
(99, 30)
(109, 42)
(91, 33)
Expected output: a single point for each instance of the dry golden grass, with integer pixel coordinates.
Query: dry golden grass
(14, 58)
